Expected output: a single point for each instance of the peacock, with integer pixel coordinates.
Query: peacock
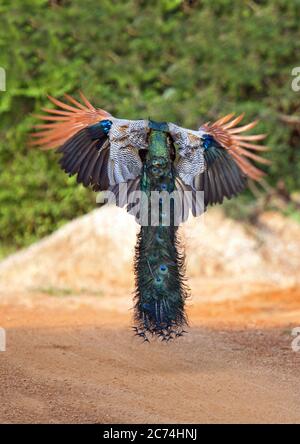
(156, 162)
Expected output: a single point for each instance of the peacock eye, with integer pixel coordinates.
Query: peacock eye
(163, 269)
(207, 141)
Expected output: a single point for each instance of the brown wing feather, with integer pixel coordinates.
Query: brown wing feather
(228, 134)
(65, 121)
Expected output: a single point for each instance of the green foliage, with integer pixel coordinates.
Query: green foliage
(293, 212)
(182, 61)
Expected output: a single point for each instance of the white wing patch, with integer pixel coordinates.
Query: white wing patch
(126, 138)
(191, 152)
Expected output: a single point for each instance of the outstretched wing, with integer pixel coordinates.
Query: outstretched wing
(100, 149)
(240, 146)
(222, 176)
(216, 158)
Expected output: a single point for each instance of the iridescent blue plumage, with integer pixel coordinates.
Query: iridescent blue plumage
(208, 141)
(106, 125)
(100, 129)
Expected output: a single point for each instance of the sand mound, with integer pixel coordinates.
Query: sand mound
(90, 251)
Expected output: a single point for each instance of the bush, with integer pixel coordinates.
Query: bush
(181, 61)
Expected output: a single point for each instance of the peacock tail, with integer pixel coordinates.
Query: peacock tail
(159, 265)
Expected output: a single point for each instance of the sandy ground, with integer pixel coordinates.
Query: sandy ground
(75, 362)
(72, 357)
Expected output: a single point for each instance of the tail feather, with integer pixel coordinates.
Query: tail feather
(161, 288)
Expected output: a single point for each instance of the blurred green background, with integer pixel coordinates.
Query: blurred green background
(174, 60)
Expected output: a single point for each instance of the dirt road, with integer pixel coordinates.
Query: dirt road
(66, 364)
